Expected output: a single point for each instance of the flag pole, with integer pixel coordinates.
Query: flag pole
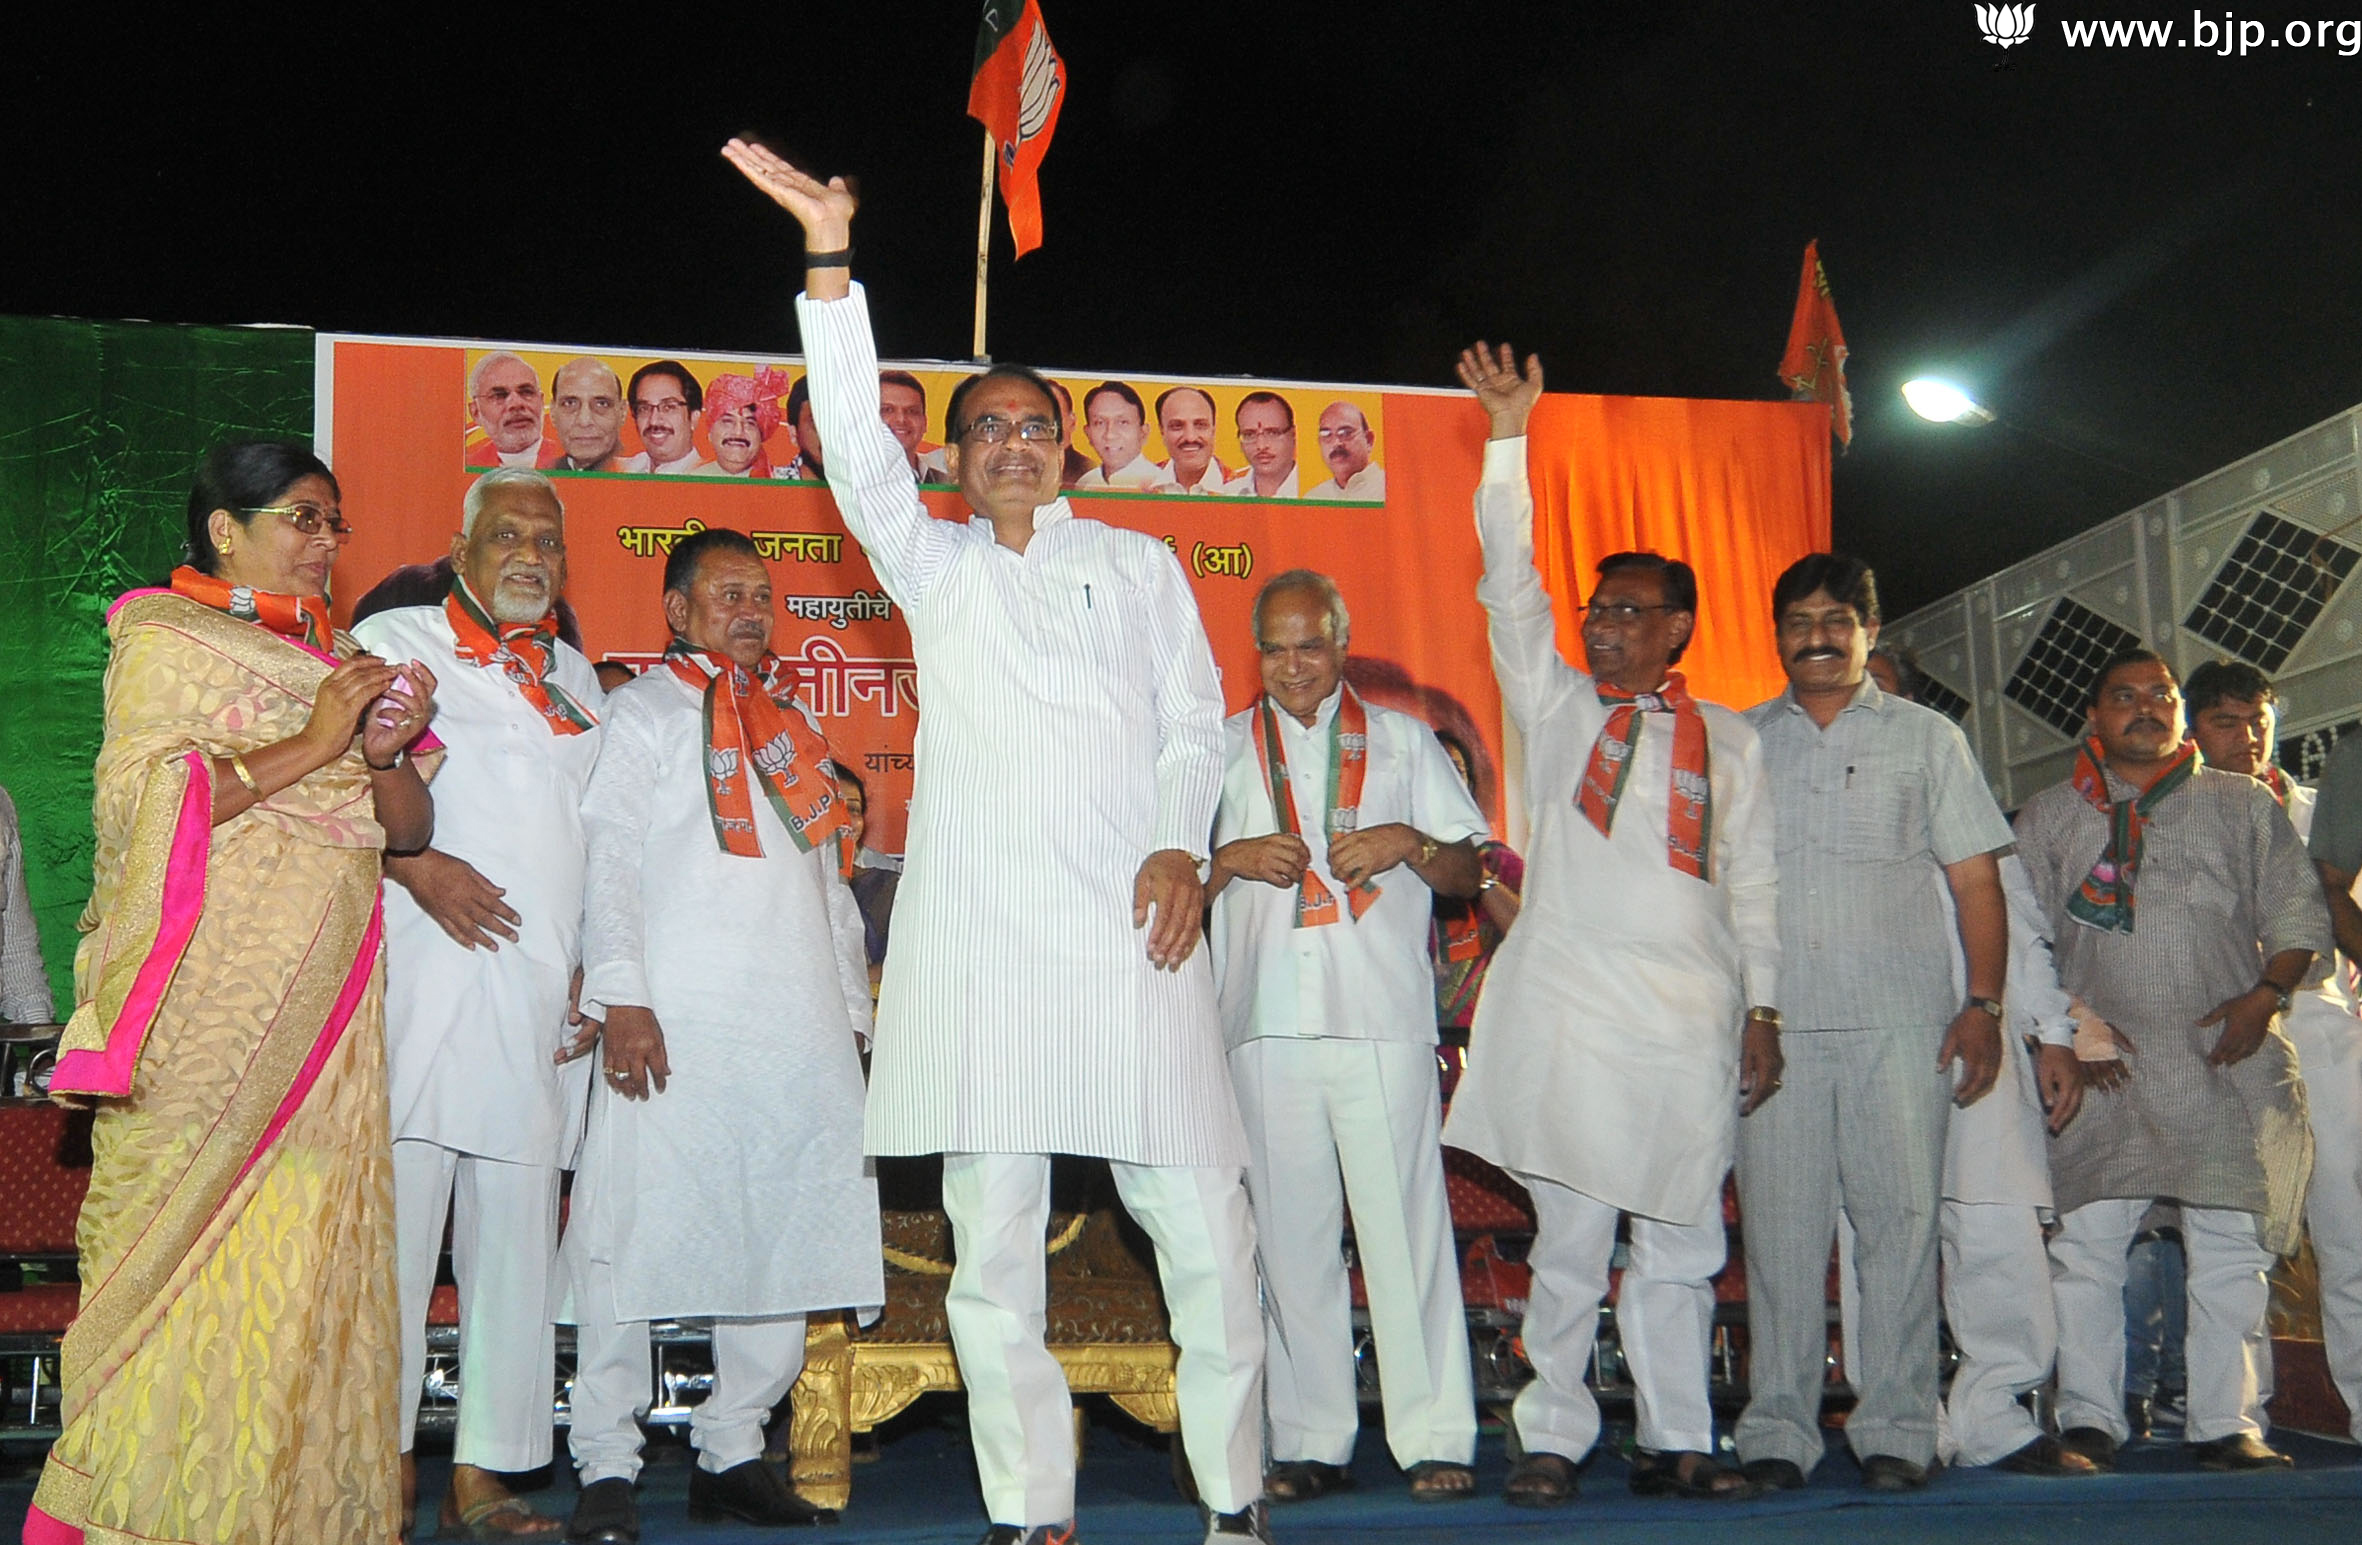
(983, 247)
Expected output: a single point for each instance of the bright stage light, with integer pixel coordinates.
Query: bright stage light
(1940, 402)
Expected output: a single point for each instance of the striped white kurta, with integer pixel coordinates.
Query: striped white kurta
(1070, 725)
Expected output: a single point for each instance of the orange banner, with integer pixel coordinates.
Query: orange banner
(1369, 486)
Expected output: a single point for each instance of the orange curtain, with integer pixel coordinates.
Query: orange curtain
(1738, 490)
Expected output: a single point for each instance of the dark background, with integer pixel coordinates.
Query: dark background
(2146, 261)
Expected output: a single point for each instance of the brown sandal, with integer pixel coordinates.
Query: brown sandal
(1441, 1480)
(1301, 1480)
(1540, 1480)
(1656, 1474)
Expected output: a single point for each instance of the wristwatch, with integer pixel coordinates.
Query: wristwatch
(1991, 1006)
(2282, 996)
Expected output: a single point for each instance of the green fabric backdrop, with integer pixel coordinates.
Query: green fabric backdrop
(101, 424)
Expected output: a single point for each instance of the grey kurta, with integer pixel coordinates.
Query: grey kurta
(2223, 886)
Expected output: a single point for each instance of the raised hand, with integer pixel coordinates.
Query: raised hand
(1507, 397)
(824, 209)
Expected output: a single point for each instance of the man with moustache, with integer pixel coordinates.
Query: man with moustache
(1882, 815)
(1185, 417)
(667, 405)
(1044, 994)
(1347, 445)
(2188, 921)
(1339, 824)
(902, 403)
(482, 942)
(1626, 1023)
(741, 411)
(723, 980)
(504, 397)
(1116, 422)
(1267, 438)
(586, 410)
(2235, 719)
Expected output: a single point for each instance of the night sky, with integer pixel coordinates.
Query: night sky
(2149, 262)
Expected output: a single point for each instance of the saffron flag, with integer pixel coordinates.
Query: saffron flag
(1018, 87)
(1813, 369)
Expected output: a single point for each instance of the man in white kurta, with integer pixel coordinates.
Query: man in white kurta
(1608, 1062)
(2235, 718)
(721, 1177)
(1328, 1007)
(482, 940)
(1044, 994)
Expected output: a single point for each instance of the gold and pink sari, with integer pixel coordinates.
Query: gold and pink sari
(231, 1374)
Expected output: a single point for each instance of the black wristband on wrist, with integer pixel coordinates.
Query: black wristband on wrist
(841, 258)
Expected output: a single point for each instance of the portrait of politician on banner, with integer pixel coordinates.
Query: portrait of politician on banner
(643, 416)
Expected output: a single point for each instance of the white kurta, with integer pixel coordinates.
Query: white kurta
(1605, 1055)
(1998, 1150)
(1243, 485)
(691, 465)
(1368, 484)
(740, 1190)
(1368, 978)
(1214, 480)
(1070, 725)
(1139, 473)
(470, 1033)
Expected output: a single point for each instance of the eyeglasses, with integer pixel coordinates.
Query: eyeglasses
(992, 429)
(1344, 436)
(1620, 614)
(668, 406)
(309, 519)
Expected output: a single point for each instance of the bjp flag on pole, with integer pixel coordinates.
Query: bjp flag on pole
(1018, 86)
(1813, 369)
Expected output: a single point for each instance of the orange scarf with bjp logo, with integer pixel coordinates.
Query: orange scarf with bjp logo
(1349, 762)
(755, 733)
(301, 619)
(1689, 825)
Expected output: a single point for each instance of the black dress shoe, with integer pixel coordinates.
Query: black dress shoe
(1773, 1474)
(2046, 1456)
(752, 1493)
(607, 1513)
(1891, 1472)
(2096, 1444)
(2137, 1414)
(2240, 1451)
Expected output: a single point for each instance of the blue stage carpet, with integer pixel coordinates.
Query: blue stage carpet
(921, 1487)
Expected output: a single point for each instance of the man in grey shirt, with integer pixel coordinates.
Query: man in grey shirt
(1875, 798)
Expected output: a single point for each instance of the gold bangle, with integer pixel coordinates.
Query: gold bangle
(245, 774)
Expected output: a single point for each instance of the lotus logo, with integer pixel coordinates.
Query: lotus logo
(776, 756)
(1040, 90)
(721, 763)
(2005, 26)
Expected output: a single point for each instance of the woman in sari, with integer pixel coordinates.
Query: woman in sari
(230, 1376)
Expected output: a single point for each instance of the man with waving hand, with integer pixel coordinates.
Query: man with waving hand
(1044, 993)
(1627, 1021)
